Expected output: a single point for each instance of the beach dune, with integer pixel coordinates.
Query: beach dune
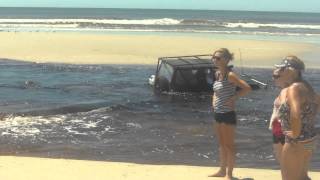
(90, 48)
(22, 168)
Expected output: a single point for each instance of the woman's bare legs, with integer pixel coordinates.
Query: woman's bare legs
(225, 135)
(307, 157)
(277, 149)
(222, 152)
(292, 161)
(228, 135)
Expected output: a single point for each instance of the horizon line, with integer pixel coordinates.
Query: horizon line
(53, 7)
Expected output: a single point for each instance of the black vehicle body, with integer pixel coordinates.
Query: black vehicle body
(190, 74)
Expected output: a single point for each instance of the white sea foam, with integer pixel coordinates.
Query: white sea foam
(75, 23)
(103, 25)
(71, 130)
(163, 21)
(259, 25)
(19, 126)
(98, 29)
(38, 25)
(91, 124)
(134, 125)
(22, 126)
(202, 31)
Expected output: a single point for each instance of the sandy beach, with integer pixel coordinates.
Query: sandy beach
(86, 48)
(21, 168)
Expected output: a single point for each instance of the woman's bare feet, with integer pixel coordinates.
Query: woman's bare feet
(220, 173)
(229, 177)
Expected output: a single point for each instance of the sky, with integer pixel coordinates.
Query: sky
(252, 5)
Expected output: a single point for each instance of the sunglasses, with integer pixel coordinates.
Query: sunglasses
(281, 69)
(216, 58)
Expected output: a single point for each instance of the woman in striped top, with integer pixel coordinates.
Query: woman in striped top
(223, 102)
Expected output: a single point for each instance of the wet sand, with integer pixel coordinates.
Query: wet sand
(16, 168)
(86, 48)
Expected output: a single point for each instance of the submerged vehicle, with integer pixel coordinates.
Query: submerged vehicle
(190, 74)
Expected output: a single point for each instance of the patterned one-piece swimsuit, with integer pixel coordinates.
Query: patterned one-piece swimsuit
(307, 122)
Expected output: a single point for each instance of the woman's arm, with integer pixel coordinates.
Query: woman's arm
(273, 117)
(215, 77)
(244, 87)
(213, 100)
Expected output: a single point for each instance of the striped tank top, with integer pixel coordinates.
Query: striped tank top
(223, 91)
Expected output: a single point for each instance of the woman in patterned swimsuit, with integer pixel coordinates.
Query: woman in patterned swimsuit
(223, 102)
(299, 105)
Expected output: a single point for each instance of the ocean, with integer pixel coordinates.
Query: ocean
(153, 20)
(110, 113)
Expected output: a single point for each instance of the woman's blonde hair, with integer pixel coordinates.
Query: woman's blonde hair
(225, 53)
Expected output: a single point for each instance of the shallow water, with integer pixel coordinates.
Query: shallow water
(109, 113)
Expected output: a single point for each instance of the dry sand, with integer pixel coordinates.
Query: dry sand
(27, 168)
(85, 48)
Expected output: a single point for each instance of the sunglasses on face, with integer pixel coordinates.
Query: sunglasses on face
(216, 58)
(281, 69)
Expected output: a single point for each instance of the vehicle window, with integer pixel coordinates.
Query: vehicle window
(209, 76)
(193, 79)
(186, 77)
(166, 71)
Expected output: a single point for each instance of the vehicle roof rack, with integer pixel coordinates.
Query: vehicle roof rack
(188, 61)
